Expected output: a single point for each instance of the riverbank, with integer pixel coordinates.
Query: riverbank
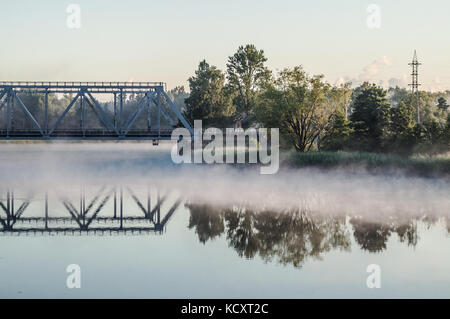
(437, 166)
(142, 154)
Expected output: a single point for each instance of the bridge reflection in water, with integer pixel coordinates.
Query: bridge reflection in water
(107, 210)
(287, 237)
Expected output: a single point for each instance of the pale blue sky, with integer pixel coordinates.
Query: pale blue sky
(164, 40)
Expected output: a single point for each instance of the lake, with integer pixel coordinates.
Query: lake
(139, 226)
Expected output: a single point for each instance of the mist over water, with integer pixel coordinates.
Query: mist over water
(60, 166)
(141, 226)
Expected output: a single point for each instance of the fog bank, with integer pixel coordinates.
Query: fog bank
(59, 167)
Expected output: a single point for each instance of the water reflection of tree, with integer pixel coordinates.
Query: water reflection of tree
(207, 221)
(293, 237)
(373, 236)
(289, 238)
(408, 233)
(370, 236)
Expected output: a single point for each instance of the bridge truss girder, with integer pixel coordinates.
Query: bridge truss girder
(116, 128)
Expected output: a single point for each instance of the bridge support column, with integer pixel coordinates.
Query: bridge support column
(120, 112)
(159, 115)
(8, 113)
(115, 111)
(46, 113)
(83, 115)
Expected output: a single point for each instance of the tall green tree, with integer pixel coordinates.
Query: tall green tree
(340, 96)
(246, 74)
(370, 117)
(447, 132)
(338, 135)
(442, 104)
(299, 106)
(432, 136)
(337, 138)
(402, 127)
(427, 106)
(208, 100)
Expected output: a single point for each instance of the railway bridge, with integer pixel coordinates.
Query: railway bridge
(27, 111)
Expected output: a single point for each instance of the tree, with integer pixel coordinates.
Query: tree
(427, 106)
(370, 117)
(432, 136)
(435, 135)
(442, 104)
(298, 105)
(397, 94)
(401, 127)
(447, 132)
(246, 74)
(340, 97)
(208, 100)
(178, 96)
(338, 137)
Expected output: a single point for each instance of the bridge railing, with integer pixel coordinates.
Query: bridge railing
(73, 84)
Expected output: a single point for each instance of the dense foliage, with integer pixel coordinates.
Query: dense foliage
(313, 115)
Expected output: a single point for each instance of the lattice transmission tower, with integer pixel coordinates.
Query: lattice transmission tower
(415, 83)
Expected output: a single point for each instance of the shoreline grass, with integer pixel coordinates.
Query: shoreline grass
(438, 166)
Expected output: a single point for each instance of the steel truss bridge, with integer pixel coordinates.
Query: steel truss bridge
(115, 124)
(103, 213)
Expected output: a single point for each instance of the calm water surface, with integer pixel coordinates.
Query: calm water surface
(140, 227)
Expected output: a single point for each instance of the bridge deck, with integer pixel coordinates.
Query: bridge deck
(92, 134)
(72, 84)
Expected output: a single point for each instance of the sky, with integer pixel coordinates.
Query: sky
(138, 40)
